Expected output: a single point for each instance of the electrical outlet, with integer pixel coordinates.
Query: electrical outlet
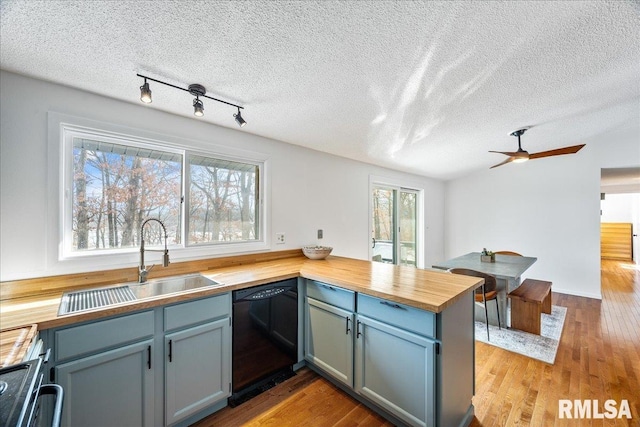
(279, 238)
(319, 234)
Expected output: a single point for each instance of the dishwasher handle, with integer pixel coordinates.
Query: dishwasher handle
(58, 392)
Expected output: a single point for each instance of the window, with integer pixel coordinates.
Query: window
(116, 187)
(114, 182)
(223, 205)
(394, 225)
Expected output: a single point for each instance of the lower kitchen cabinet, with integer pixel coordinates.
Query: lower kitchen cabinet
(112, 388)
(157, 367)
(396, 370)
(197, 369)
(414, 365)
(329, 339)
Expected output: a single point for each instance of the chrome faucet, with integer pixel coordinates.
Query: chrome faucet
(143, 271)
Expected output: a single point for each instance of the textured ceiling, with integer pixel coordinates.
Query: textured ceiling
(425, 87)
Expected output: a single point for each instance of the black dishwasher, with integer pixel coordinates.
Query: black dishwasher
(265, 337)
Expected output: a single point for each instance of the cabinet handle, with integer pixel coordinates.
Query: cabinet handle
(170, 350)
(328, 287)
(358, 333)
(348, 330)
(390, 304)
(149, 357)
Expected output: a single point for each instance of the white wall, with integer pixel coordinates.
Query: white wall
(309, 189)
(548, 208)
(620, 207)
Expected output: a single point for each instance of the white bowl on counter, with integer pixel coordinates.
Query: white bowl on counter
(316, 252)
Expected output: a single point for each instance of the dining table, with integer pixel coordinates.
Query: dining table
(507, 269)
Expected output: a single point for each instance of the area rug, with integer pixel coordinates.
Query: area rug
(542, 347)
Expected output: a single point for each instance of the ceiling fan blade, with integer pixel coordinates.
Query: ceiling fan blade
(509, 160)
(557, 152)
(506, 153)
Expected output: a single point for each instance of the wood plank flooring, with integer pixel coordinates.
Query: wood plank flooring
(598, 358)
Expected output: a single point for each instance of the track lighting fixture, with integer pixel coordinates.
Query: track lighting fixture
(239, 120)
(145, 93)
(194, 89)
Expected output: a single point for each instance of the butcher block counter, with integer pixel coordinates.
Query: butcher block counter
(36, 301)
(15, 344)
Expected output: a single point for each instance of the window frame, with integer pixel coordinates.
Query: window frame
(67, 129)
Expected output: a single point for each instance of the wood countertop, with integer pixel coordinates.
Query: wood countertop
(14, 344)
(425, 289)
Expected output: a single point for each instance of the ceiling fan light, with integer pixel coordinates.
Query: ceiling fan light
(145, 93)
(198, 107)
(521, 155)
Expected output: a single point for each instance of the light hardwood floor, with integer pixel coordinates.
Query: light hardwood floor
(598, 358)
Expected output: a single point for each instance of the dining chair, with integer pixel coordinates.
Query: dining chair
(486, 292)
(507, 253)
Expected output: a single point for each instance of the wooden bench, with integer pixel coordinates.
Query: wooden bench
(528, 302)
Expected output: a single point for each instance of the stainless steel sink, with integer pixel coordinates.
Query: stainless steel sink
(170, 285)
(73, 302)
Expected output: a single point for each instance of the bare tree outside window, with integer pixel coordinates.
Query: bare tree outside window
(118, 182)
(116, 187)
(222, 200)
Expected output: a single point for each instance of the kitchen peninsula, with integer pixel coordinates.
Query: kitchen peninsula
(434, 308)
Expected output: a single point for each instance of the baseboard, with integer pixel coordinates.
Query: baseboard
(468, 417)
(577, 294)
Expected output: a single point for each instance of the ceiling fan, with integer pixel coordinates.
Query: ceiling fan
(522, 155)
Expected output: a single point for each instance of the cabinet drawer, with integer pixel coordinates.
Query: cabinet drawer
(400, 315)
(330, 294)
(194, 312)
(102, 334)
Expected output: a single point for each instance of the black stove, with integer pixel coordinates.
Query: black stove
(20, 388)
(21, 381)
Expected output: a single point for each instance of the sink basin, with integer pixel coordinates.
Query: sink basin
(170, 285)
(73, 302)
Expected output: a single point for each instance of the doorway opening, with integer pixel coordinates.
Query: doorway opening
(620, 214)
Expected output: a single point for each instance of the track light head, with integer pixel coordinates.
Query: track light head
(198, 107)
(145, 93)
(239, 120)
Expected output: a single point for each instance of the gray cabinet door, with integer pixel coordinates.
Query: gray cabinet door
(197, 369)
(328, 341)
(113, 388)
(396, 370)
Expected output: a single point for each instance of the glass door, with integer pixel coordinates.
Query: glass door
(394, 225)
(383, 235)
(407, 235)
